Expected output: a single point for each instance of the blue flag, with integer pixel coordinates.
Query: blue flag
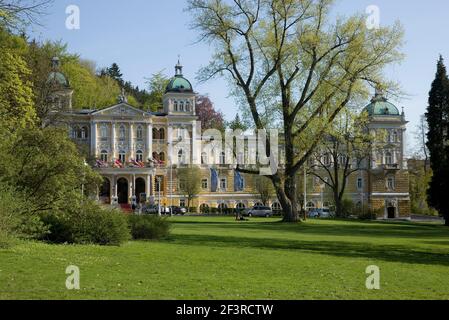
(214, 180)
(238, 182)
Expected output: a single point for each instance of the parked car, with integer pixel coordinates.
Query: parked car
(150, 210)
(178, 210)
(260, 212)
(321, 213)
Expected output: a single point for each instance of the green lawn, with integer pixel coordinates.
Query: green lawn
(218, 258)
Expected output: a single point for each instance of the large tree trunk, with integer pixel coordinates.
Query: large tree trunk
(287, 196)
(446, 219)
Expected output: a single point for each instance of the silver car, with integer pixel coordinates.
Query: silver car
(261, 212)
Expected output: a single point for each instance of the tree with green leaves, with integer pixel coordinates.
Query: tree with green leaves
(438, 141)
(237, 124)
(189, 179)
(287, 58)
(157, 85)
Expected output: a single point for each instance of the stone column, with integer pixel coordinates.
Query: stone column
(113, 136)
(93, 139)
(131, 141)
(148, 191)
(149, 141)
(196, 150)
(170, 143)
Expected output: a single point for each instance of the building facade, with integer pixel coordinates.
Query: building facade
(138, 154)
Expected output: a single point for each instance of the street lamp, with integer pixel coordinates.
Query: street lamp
(159, 194)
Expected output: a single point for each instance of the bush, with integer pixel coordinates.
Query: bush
(88, 224)
(149, 227)
(15, 220)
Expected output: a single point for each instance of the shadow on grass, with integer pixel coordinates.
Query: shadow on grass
(340, 228)
(391, 253)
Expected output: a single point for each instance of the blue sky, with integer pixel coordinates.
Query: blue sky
(146, 36)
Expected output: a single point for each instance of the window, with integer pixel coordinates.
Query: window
(241, 206)
(139, 156)
(181, 106)
(182, 203)
(222, 158)
(104, 156)
(162, 157)
(155, 134)
(395, 136)
(103, 132)
(139, 133)
(204, 158)
(391, 183)
(122, 133)
(182, 185)
(359, 183)
(223, 184)
(162, 134)
(310, 205)
(388, 158)
(187, 106)
(223, 207)
(176, 106)
(181, 158)
(276, 207)
(205, 184)
(122, 157)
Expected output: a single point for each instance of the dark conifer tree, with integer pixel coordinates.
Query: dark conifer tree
(438, 141)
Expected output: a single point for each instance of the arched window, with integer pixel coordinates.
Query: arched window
(204, 208)
(241, 206)
(155, 134)
(104, 156)
(276, 207)
(205, 184)
(310, 205)
(222, 207)
(327, 160)
(258, 204)
(162, 157)
(162, 134)
(175, 106)
(388, 158)
(78, 133)
(181, 106)
(222, 158)
(204, 158)
(139, 133)
(122, 133)
(155, 156)
(359, 184)
(187, 106)
(139, 156)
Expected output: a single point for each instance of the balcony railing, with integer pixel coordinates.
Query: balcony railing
(129, 165)
(394, 166)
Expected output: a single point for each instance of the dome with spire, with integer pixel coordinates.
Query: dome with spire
(56, 77)
(380, 106)
(179, 83)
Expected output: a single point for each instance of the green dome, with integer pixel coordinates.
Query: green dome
(179, 84)
(380, 106)
(58, 78)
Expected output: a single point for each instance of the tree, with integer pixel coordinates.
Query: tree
(285, 57)
(237, 124)
(18, 14)
(16, 95)
(264, 188)
(189, 179)
(45, 166)
(114, 72)
(207, 115)
(422, 152)
(438, 140)
(344, 151)
(157, 85)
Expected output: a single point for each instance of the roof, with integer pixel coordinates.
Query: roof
(179, 84)
(380, 106)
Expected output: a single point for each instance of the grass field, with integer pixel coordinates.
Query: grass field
(218, 258)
